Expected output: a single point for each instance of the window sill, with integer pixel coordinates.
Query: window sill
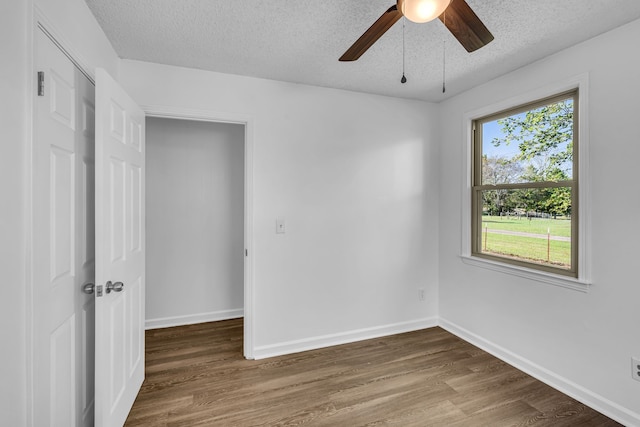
(540, 276)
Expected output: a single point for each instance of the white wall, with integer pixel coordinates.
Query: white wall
(14, 113)
(355, 178)
(195, 221)
(71, 20)
(584, 341)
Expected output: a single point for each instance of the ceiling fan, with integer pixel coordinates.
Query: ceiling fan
(463, 23)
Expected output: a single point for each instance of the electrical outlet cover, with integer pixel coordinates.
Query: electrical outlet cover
(635, 368)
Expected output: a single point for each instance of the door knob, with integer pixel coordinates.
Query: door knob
(88, 288)
(115, 287)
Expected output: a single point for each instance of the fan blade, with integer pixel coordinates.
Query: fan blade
(374, 32)
(465, 26)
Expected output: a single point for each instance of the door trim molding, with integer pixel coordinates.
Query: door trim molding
(43, 23)
(247, 121)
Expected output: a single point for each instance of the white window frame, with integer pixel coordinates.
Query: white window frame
(583, 279)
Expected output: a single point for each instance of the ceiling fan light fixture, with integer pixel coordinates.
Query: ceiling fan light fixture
(421, 11)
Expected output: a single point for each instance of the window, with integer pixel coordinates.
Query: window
(524, 186)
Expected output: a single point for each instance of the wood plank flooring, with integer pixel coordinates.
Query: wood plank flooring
(196, 376)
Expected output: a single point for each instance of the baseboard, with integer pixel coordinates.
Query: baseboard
(581, 394)
(190, 319)
(321, 341)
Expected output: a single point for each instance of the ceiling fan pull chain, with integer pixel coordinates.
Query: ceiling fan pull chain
(403, 79)
(444, 53)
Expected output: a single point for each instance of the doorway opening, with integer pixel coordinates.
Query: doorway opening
(195, 229)
(197, 206)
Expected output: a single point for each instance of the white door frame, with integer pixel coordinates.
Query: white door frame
(247, 121)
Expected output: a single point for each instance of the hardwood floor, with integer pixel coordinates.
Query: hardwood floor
(196, 376)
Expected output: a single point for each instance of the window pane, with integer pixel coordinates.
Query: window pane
(531, 224)
(532, 146)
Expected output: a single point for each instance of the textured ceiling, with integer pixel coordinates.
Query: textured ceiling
(301, 40)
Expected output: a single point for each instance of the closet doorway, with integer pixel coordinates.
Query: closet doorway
(196, 228)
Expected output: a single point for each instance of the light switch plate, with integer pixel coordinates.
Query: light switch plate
(280, 226)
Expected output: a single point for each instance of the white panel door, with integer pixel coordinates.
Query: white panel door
(120, 251)
(62, 241)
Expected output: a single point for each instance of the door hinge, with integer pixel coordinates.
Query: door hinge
(246, 252)
(99, 291)
(40, 83)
